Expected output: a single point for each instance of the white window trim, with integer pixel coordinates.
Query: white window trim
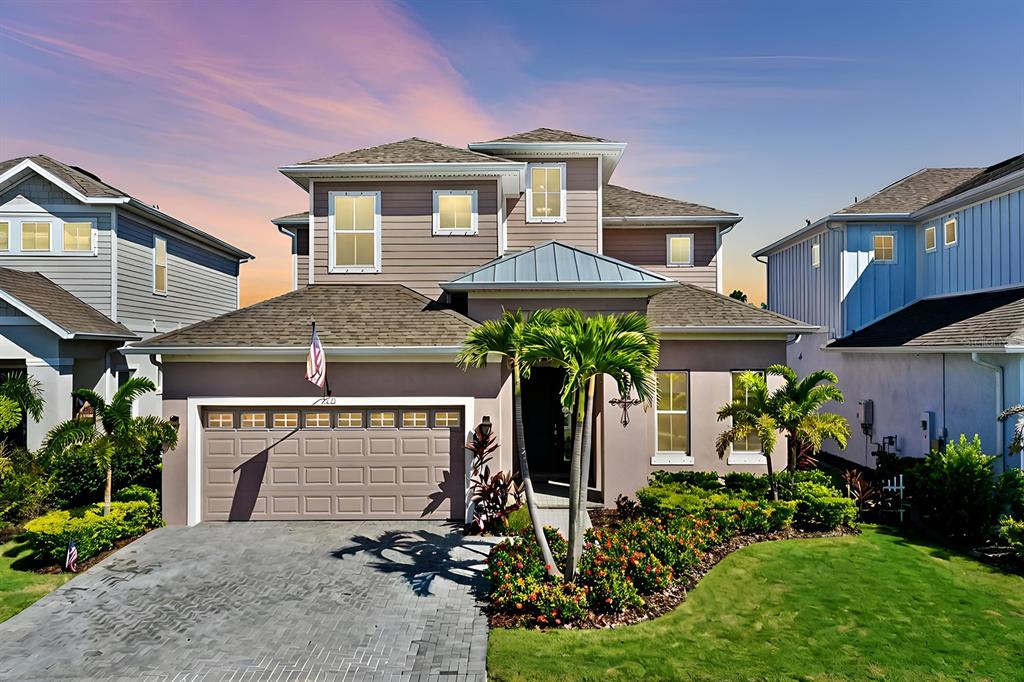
(816, 253)
(331, 267)
(93, 239)
(668, 251)
(895, 249)
(14, 235)
(956, 232)
(167, 269)
(744, 456)
(669, 458)
(474, 218)
(21, 236)
(935, 237)
(529, 193)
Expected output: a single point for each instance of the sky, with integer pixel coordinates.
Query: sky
(779, 111)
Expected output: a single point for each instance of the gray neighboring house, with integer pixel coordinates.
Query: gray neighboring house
(406, 247)
(86, 268)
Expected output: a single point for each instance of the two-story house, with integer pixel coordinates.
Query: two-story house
(402, 250)
(918, 291)
(86, 268)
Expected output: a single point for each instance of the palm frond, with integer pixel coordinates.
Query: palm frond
(69, 434)
(26, 391)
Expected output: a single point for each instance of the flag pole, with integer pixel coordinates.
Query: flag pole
(327, 382)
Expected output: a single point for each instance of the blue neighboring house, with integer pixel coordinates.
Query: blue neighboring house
(918, 293)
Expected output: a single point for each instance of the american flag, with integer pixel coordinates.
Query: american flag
(316, 363)
(71, 561)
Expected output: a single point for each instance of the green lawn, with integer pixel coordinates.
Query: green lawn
(20, 587)
(870, 607)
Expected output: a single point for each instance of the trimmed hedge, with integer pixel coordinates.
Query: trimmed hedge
(92, 532)
(135, 493)
(1012, 533)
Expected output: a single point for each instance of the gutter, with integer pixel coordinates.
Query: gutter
(611, 221)
(194, 232)
(921, 350)
(556, 286)
(831, 217)
(383, 351)
(976, 359)
(737, 329)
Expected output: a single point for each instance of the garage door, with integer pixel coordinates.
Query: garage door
(333, 463)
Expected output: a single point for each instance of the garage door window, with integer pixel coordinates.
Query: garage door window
(286, 420)
(350, 420)
(254, 420)
(446, 419)
(414, 420)
(220, 420)
(318, 420)
(382, 419)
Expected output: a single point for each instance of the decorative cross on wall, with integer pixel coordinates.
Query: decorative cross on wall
(625, 402)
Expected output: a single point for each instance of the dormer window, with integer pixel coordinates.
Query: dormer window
(5, 236)
(354, 224)
(883, 246)
(949, 232)
(455, 212)
(680, 250)
(545, 193)
(35, 236)
(78, 236)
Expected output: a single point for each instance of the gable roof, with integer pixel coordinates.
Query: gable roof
(57, 308)
(547, 135)
(990, 319)
(80, 179)
(694, 308)
(411, 150)
(620, 202)
(347, 316)
(554, 265)
(913, 192)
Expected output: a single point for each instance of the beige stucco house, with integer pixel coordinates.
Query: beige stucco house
(403, 249)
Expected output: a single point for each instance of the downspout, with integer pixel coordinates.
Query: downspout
(976, 359)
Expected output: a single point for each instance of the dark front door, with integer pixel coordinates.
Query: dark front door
(547, 425)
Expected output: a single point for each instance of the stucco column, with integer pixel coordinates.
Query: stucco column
(56, 379)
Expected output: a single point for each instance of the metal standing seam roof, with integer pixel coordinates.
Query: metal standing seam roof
(557, 265)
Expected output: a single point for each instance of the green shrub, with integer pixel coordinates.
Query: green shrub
(706, 480)
(560, 602)
(746, 484)
(92, 532)
(516, 523)
(954, 490)
(134, 467)
(75, 479)
(1010, 493)
(24, 488)
(1011, 532)
(819, 506)
(137, 492)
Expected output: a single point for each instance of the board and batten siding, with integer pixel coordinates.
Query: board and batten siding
(200, 283)
(647, 247)
(411, 254)
(988, 254)
(872, 289)
(581, 226)
(799, 290)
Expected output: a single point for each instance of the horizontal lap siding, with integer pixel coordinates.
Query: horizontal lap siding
(647, 248)
(581, 220)
(410, 253)
(200, 283)
(799, 290)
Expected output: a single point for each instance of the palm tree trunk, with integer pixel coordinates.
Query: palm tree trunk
(792, 446)
(771, 476)
(581, 503)
(574, 488)
(524, 474)
(107, 491)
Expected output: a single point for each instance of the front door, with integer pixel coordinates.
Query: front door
(549, 428)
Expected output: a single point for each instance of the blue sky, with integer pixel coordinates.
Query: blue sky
(779, 111)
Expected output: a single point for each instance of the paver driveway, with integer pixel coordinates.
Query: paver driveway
(290, 601)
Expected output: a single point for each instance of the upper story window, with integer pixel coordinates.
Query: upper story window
(679, 250)
(455, 211)
(159, 265)
(883, 247)
(929, 239)
(949, 235)
(354, 224)
(35, 236)
(815, 254)
(5, 236)
(78, 236)
(545, 193)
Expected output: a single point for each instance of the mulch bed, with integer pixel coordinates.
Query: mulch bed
(84, 566)
(660, 603)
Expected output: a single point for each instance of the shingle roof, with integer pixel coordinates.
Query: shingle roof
(913, 192)
(990, 174)
(34, 292)
(689, 305)
(620, 202)
(82, 180)
(548, 135)
(986, 319)
(557, 266)
(412, 150)
(347, 315)
(292, 218)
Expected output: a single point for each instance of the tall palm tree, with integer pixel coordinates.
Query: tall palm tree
(622, 346)
(20, 396)
(797, 399)
(505, 337)
(752, 414)
(121, 431)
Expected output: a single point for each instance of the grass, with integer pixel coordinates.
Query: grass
(19, 586)
(876, 606)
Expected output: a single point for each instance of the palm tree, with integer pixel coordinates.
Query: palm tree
(622, 346)
(121, 430)
(505, 337)
(817, 427)
(751, 414)
(20, 396)
(1017, 444)
(796, 400)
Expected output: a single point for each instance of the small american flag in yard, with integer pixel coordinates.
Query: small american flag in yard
(316, 363)
(71, 561)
